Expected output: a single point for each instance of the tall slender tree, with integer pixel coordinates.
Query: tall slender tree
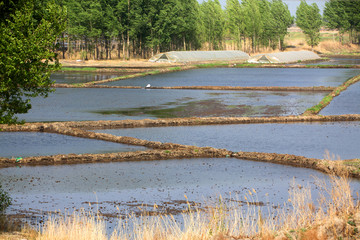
(282, 20)
(308, 18)
(235, 20)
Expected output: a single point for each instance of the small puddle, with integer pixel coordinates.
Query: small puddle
(302, 139)
(27, 144)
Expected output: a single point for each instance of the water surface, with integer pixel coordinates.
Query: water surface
(303, 139)
(122, 187)
(81, 77)
(77, 104)
(245, 77)
(348, 102)
(27, 144)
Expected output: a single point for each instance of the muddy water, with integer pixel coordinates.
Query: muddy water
(26, 144)
(80, 77)
(348, 102)
(245, 77)
(303, 139)
(120, 188)
(76, 104)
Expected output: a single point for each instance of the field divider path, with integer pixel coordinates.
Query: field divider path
(260, 88)
(327, 99)
(171, 122)
(163, 151)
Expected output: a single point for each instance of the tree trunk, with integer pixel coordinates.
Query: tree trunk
(184, 43)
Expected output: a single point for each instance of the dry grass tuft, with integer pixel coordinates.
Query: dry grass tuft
(336, 47)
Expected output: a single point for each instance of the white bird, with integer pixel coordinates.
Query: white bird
(148, 86)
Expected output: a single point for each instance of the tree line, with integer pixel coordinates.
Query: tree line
(104, 29)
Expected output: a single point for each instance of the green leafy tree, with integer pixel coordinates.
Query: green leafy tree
(267, 35)
(308, 18)
(343, 16)
(254, 24)
(235, 20)
(213, 21)
(282, 19)
(27, 43)
(336, 17)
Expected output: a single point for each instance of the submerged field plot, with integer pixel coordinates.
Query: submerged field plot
(117, 189)
(81, 77)
(245, 77)
(302, 139)
(29, 144)
(79, 104)
(348, 102)
(166, 158)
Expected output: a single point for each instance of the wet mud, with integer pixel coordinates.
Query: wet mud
(201, 108)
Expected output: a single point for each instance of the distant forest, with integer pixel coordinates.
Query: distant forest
(124, 29)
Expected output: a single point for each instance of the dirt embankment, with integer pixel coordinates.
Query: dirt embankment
(290, 89)
(161, 151)
(66, 127)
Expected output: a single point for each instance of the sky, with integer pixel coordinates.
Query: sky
(292, 4)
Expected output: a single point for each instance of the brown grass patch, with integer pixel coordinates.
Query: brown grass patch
(336, 47)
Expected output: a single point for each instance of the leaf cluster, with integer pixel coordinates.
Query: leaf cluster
(27, 57)
(5, 200)
(308, 18)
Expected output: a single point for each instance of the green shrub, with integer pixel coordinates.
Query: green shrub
(5, 200)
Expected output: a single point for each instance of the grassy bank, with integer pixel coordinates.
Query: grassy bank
(327, 99)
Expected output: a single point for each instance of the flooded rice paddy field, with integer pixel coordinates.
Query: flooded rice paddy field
(245, 77)
(348, 102)
(81, 77)
(302, 139)
(116, 189)
(119, 188)
(28, 144)
(78, 104)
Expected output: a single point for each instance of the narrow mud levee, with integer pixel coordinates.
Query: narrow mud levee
(289, 89)
(188, 152)
(337, 167)
(326, 166)
(207, 121)
(82, 85)
(169, 122)
(284, 89)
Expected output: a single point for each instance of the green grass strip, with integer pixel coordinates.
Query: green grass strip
(330, 66)
(212, 65)
(314, 110)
